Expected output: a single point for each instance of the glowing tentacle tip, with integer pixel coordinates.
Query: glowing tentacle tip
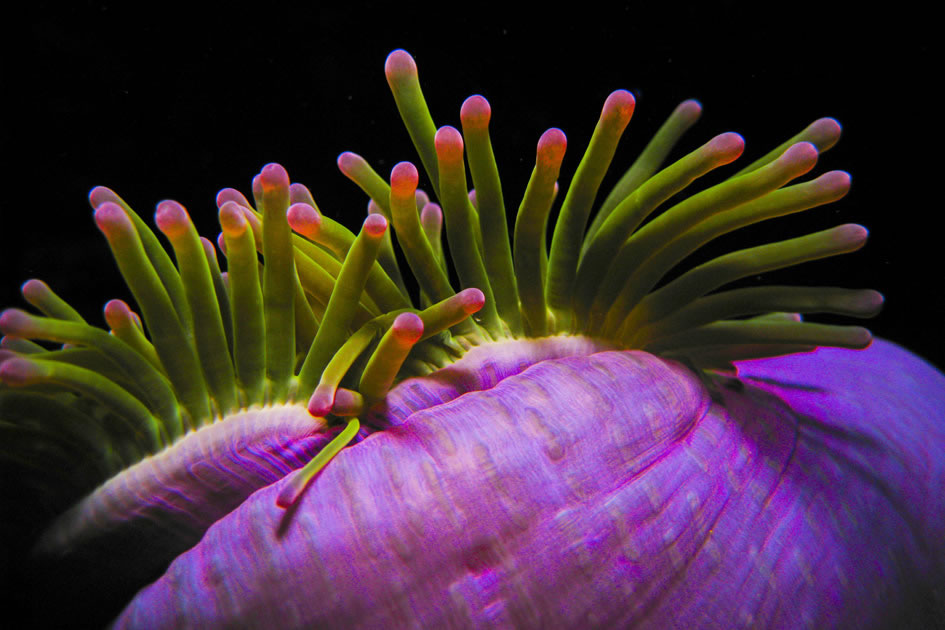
(119, 315)
(475, 112)
(618, 108)
(824, 133)
(726, 147)
(231, 195)
(472, 300)
(859, 337)
(399, 65)
(350, 164)
(836, 182)
(322, 400)
(869, 303)
(408, 328)
(171, 218)
(38, 294)
(347, 403)
(403, 179)
(375, 225)
(389, 355)
(304, 219)
(112, 220)
(273, 177)
(17, 323)
(688, 111)
(551, 147)
(232, 221)
(449, 144)
(100, 195)
(299, 193)
(800, 158)
(34, 291)
(431, 217)
(851, 235)
(19, 372)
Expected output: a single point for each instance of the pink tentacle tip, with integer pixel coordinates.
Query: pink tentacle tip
(449, 144)
(408, 328)
(116, 313)
(287, 496)
(100, 195)
(825, 132)
(619, 107)
(863, 337)
(16, 323)
(304, 219)
(298, 193)
(551, 148)
(801, 156)
(432, 215)
(319, 405)
(404, 179)
(838, 182)
(231, 194)
(18, 372)
(221, 243)
(473, 300)
(172, 219)
(475, 112)
(34, 290)
(350, 163)
(347, 403)
(273, 177)
(400, 65)
(232, 220)
(727, 147)
(853, 234)
(872, 302)
(112, 220)
(689, 110)
(375, 225)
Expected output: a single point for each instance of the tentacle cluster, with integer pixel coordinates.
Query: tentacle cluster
(309, 312)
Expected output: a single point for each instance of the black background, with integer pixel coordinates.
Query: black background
(170, 102)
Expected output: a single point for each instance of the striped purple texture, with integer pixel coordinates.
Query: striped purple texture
(606, 490)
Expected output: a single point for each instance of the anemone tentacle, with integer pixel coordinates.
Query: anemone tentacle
(189, 365)
(287, 359)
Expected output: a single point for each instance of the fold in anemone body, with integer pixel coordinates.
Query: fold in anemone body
(569, 440)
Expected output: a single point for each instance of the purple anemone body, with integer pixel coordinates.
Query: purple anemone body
(603, 490)
(574, 438)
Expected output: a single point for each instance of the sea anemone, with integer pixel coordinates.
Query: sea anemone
(582, 436)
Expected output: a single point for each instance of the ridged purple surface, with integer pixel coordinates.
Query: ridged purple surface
(481, 368)
(129, 529)
(602, 491)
